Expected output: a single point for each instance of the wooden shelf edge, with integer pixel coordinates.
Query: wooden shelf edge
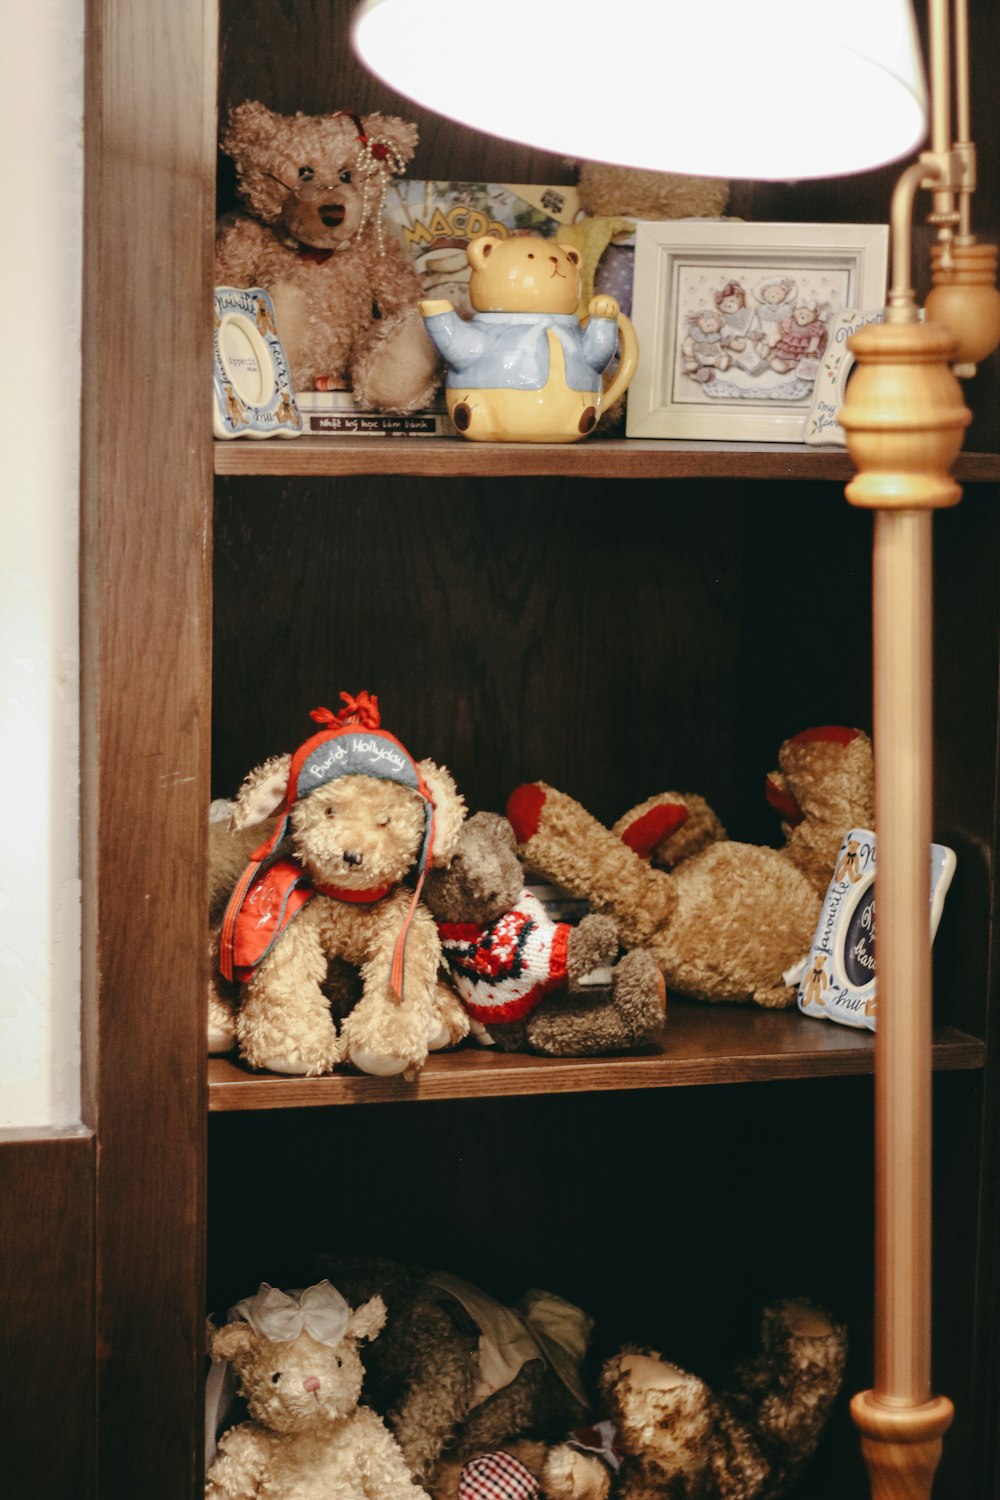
(774, 1046)
(611, 458)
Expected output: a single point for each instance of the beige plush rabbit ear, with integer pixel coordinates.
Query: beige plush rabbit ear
(449, 811)
(262, 793)
(368, 1320)
(231, 1341)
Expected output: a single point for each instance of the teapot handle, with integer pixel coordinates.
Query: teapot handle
(622, 377)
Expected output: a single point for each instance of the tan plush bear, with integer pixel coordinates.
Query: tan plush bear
(296, 1358)
(356, 814)
(345, 293)
(730, 920)
(604, 188)
(824, 786)
(728, 924)
(747, 1441)
(523, 977)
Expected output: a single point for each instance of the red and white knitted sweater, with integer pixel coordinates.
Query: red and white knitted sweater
(504, 969)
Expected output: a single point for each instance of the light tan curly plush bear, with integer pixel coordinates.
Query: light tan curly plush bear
(725, 920)
(296, 1358)
(824, 785)
(344, 290)
(356, 815)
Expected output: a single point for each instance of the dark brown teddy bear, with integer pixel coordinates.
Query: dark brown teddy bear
(457, 1373)
(519, 974)
(750, 1439)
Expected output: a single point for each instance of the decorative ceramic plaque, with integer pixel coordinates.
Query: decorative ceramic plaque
(838, 978)
(822, 428)
(253, 392)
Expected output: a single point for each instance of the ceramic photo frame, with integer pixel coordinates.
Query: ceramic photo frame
(822, 429)
(253, 395)
(734, 322)
(837, 982)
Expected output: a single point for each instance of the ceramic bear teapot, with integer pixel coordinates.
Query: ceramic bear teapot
(525, 368)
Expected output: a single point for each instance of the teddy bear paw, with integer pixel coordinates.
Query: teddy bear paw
(299, 1062)
(448, 1023)
(221, 1023)
(385, 1038)
(279, 1049)
(379, 1064)
(280, 1063)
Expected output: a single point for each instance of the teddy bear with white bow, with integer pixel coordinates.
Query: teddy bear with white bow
(296, 1358)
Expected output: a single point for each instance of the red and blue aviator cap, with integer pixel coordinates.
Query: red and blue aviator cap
(351, 743)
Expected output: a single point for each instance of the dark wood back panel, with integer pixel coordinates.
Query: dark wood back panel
(613, 639)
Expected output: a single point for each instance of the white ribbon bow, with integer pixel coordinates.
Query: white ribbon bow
(281, 1316)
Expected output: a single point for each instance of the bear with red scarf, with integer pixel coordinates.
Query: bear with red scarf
(341, 826)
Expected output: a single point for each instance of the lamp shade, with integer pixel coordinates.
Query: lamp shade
(776, 89)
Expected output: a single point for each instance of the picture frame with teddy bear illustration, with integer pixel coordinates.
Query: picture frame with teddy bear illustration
(734, 319)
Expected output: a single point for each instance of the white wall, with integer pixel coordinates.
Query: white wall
(41, 112)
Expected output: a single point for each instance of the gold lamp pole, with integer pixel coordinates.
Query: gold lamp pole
(905, 420)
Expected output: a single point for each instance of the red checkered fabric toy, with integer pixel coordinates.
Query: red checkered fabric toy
(497, 1476)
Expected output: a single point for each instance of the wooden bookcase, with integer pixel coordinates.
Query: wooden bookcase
(615, 617)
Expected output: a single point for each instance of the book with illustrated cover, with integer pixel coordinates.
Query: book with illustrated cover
(436, 221)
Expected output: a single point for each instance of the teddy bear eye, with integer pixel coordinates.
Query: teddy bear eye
(345, 175)
(276, 1377)
(306, 174)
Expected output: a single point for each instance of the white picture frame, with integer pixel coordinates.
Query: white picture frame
(251, 386)
(733, 322)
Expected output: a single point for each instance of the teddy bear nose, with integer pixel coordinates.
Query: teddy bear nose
(311, 1383)
(352, 857)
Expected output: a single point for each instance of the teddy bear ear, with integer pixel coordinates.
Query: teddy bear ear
(449, 811)
(504, 832)
(262, 793)
(368, 1320)
(232, 1340)
(401, 134)
(246, 122)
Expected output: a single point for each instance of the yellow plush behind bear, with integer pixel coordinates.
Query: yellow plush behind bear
(612, 199)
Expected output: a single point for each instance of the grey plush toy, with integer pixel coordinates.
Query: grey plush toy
(519, 974)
